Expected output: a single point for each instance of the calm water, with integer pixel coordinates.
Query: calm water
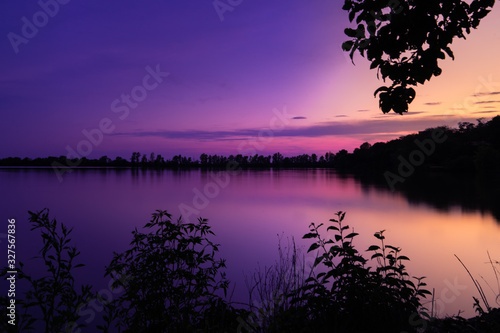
(249, 212)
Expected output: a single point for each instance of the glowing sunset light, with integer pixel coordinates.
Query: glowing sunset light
(223, 76)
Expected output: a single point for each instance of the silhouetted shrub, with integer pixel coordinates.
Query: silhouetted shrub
(52, 300)
(348, 295)
(173, 279)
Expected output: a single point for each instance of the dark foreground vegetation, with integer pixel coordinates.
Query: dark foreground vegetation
(471, 148)
(172, 280)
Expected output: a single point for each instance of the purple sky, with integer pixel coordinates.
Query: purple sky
(265, 76)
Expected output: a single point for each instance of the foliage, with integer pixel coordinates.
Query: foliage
(173, 279)
(404, 39)
(171, 282)
(349, 295)
(472, 148)
(55, 294)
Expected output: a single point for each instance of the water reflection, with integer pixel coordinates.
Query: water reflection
(431, 219)
(445, 191)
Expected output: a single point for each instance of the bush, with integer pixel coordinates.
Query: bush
(51, 300)
(349, 295)
(172, 280)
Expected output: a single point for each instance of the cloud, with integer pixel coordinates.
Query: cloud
(341, 116)
(299, 117)
(333, 128)
(441, 115)
(395, 115)
(363, 110)
(433, 103)
(488, 93)
(486, 102)
(495, 111)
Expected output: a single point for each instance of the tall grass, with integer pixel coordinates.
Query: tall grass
(270, 289)
(477, 305)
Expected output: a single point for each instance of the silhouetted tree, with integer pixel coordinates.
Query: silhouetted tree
(144, 160)
(135, 158)
(119, 162)
(159, 161)
(329, 157)
(314, 158)
(277, 159)
(404, 39)
(104, 160)
(204, 159)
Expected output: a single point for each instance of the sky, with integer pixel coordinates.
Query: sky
(93, 78)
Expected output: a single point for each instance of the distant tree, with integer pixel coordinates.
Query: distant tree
(119, 161)
(404, 39)
(329, 157)
(135, 158)
(340, 159)
(104, 160)
(159, 161)
(321, 160)
(277, 159)
(204, 159)
(465, 126)
(314, 158)
(365, 146)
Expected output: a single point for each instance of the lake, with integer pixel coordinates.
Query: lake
(251, 211)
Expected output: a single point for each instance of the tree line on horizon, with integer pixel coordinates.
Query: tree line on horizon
(468, 148)
(138, 160)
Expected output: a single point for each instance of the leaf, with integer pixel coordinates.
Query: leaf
(317, 261)
(350, 32)
(351, 16)
(347, 45)
(310, 279)
(375, 63)
(397, 249)
(341, 216)
(449, 52)
(383, 88)
(313, 247)
(379, 236)
(310, 235)
(352, 235)
(373, 248)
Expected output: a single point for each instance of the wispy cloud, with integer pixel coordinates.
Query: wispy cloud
(488, 93)
(299, 117)
(341, 116)
(395, 115)
(364, 110)
(486, 102)
(495, 111)
(332, 128)
(433, 103)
